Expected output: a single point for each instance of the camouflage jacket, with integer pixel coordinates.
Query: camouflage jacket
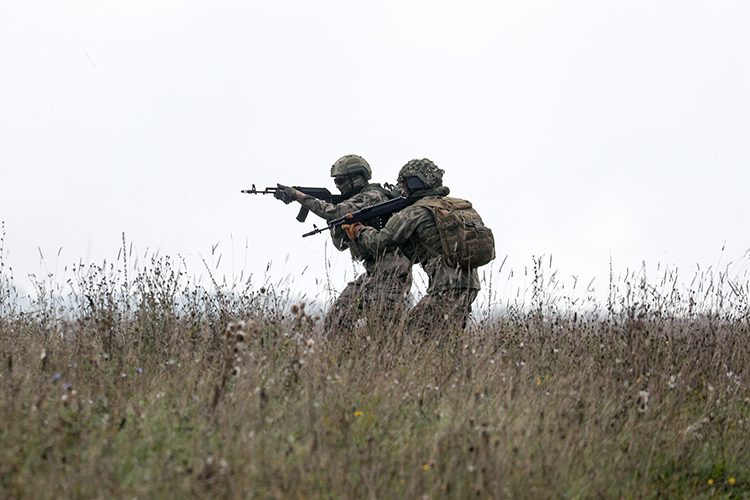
(370, 194)
(414, 230)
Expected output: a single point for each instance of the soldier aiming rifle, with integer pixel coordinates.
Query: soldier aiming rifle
(315, 192)
(380, 293)
(445, 235)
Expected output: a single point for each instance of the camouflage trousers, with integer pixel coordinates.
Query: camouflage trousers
(378, 296)
(441, 313)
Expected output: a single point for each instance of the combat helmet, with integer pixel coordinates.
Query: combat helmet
(351, 165)
(426, 171)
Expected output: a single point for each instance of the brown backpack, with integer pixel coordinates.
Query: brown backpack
(466, 242)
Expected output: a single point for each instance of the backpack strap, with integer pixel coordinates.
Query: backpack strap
(433, 205)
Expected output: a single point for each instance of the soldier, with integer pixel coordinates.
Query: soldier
(451, 290)
(381, 291)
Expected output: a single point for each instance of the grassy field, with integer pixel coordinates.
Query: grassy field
(149, 386)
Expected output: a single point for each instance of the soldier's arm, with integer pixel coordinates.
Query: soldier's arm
(395, 234)
(340, 241)
(323, 209)
(330, 211)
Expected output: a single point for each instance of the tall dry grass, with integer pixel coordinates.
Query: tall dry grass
(144, 384)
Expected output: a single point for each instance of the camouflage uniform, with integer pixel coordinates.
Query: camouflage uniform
(381, 291)
(451, 291)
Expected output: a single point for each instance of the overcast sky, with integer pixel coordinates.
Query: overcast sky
(585, 131)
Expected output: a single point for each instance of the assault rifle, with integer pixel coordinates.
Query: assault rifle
(383, 210)
(313, 192)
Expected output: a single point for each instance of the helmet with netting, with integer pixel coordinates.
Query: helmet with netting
(351, 165)
(425, 170)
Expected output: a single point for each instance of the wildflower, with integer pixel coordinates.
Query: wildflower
(139, 369)
(426, 467)
(55, 377)
(710, 481)
(643, 401)
(67, 386)
(358, 413)
(731, 480)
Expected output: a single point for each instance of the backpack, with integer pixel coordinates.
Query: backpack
(466, 242)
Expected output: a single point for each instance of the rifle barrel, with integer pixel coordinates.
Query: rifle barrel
(254, 190)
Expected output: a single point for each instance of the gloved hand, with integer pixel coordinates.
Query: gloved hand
(285, 193)
(352, 230)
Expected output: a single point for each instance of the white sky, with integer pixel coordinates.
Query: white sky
(580, 130)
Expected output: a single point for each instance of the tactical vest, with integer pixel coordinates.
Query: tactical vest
(465, 241)
(378, 222)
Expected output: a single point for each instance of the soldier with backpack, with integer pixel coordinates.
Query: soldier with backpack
(381, 291)
(444, 235)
